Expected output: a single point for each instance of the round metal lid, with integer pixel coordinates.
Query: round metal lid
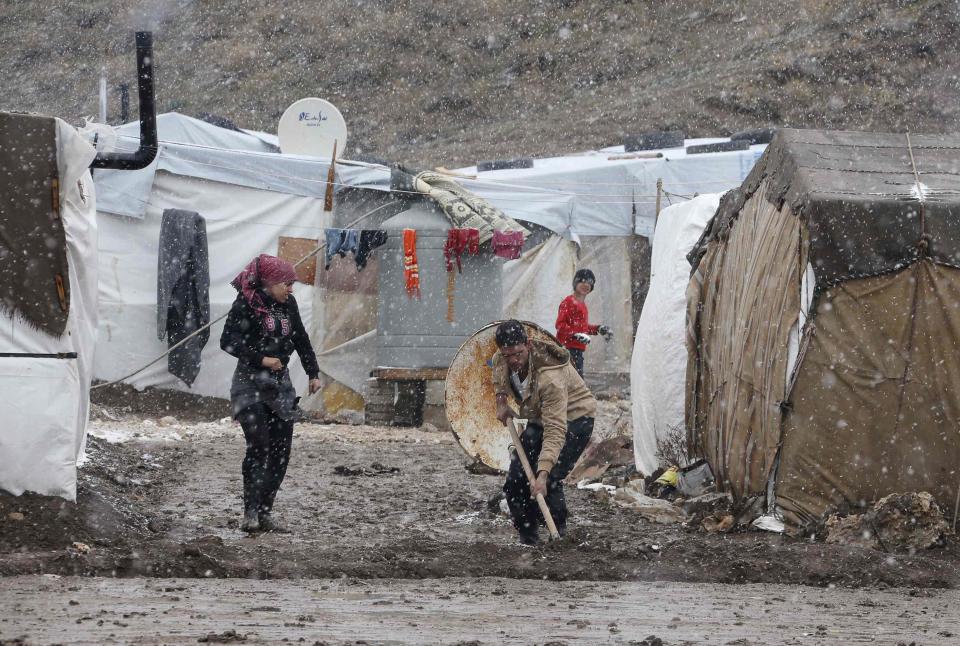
(469, 398)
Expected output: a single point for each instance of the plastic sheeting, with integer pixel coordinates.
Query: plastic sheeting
(193, 148)
(659, 363)
(610, 302)
(849, 188)
(608, 192)
(241, 223)
(45, 403)
(597, 193)
(535, 283)
(250, 195)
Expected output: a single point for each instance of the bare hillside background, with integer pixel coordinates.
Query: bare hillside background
(448, 83)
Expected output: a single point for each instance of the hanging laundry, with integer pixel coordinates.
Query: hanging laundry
(507, 244)
(369, 240)
(411, 270)
(183, 290)
(460, 241)
(351, 242)
(334, 238)
(340, 241)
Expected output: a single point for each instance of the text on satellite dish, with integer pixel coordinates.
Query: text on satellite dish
(310, 116)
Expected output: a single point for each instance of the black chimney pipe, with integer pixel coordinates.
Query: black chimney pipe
(147, 151)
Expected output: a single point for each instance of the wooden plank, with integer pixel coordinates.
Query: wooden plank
(293, 249)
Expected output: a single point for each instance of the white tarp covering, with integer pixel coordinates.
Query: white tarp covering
(610, 303)
(241, 223)
(250, 195)
(45, 402)
(194, 148)
(535, 283)
(659, 364)
(598, 193)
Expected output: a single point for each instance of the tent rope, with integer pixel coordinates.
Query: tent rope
(310, 255)
(923, 243)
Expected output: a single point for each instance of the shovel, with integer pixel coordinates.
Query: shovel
(531, 478)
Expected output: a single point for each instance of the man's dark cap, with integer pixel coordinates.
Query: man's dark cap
(511, 333)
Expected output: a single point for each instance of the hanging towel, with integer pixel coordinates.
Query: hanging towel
(507, 244)
(183, 290)
(460, 241)
(369, 240)
(340, 241)
(411, 270)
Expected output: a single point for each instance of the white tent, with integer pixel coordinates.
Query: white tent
(659, 364)
(45, 402)
(600, 199)
(594, 202)
(249, 196)
(609, 192)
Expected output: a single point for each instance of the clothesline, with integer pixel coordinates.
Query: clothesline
(298, 226)
(518, 213)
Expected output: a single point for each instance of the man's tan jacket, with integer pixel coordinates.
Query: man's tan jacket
(556, 395)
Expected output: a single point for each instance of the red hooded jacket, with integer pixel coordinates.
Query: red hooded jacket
(571, 319)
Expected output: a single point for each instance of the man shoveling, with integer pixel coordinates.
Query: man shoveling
(560, 411)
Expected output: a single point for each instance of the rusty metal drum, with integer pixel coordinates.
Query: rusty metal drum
(469, 398)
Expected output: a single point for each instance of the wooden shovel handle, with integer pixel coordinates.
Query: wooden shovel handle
(531, 478)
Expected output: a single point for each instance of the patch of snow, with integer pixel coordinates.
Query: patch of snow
(769, 523)
(468, 518)
(595, 486)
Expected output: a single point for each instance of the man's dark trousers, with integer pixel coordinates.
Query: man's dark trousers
(523, 509)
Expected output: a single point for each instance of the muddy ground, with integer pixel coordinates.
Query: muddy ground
(466, 612)
(161, 497)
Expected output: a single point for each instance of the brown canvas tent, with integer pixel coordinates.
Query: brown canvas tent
(824, 324)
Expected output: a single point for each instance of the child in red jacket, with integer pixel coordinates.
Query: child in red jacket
(573, 326)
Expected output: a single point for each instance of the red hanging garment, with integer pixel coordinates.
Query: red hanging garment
(411, 270)
(460, 241)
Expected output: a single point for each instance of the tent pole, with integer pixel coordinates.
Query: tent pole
(956, 508)
(656, 215)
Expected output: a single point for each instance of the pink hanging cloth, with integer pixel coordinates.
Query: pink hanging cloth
(507, 244)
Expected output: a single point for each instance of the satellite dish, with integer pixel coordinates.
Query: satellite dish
(310, 127)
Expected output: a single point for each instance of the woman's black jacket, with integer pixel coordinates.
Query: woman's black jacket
(245, 338)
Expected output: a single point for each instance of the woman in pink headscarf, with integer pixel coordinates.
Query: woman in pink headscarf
(262, 331)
